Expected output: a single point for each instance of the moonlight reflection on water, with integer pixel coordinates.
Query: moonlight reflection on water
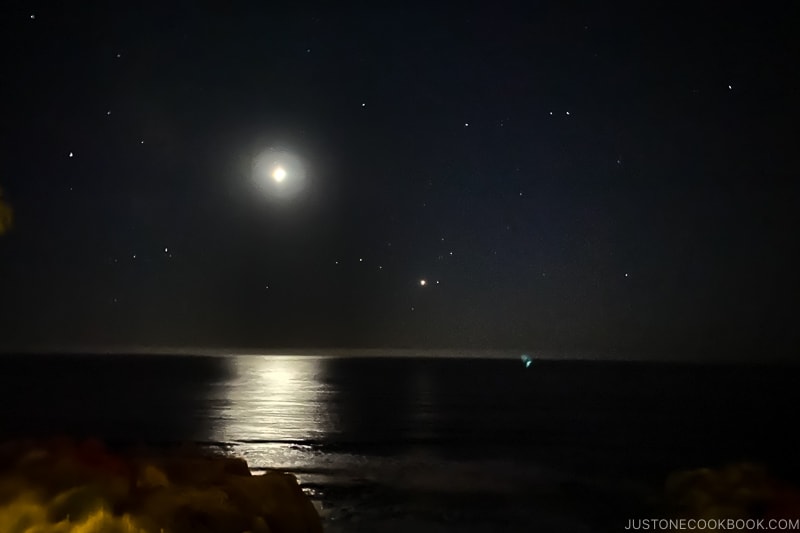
(279, 398)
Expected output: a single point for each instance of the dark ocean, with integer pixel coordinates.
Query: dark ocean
(399, 444)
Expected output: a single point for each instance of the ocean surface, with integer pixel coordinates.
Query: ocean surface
(399, 444)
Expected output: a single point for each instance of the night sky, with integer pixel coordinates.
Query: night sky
(533, 176)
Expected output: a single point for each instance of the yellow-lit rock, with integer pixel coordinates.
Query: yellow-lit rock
(6, 215)
(76, 504)
(64, 486)
(278, 499)
(151, 477)
(22, 513)
(185, 509)
(742, 490)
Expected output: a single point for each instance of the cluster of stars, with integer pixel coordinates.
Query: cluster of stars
(279, 174)
(134, 256)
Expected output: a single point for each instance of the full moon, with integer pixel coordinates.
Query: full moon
(279, 174)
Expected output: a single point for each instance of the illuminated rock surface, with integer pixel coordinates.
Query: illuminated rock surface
(742, 490)
(63, 486)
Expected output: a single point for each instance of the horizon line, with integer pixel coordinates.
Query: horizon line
(441, 353)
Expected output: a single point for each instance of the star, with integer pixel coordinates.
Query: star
(71, 154)
(360, 260)
(567, 112)
(730, 87)
(119, 56)
(626, 274)
(466, 124)
(422, 283)
(134, 256)
(33, 17)
(166, 250)
(551, 112)
(363, 105)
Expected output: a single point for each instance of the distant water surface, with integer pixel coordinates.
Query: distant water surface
(440, 444)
